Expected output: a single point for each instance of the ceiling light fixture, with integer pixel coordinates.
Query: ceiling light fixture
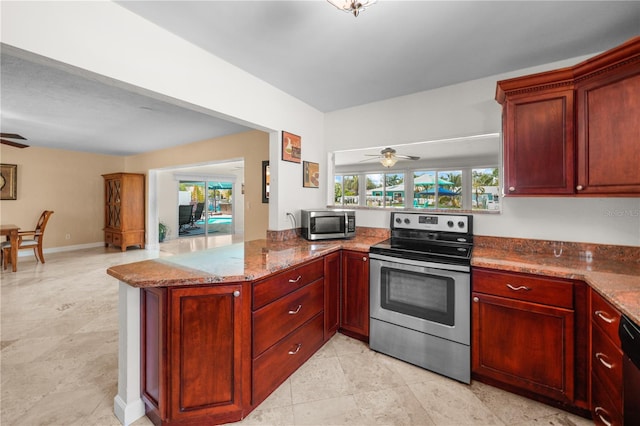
(352, 6)
(388, 158)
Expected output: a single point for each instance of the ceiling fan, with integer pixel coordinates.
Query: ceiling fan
(12, 143)
(388, 157)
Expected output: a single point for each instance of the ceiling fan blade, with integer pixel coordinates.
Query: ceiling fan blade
(14, 144)
(12, 136)
(368, 159)
(408, 157)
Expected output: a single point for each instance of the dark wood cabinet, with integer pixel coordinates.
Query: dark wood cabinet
(124, 214)
(332, 274)
(354, 295)
(196, 353)
(608, 107)
(288, 325)
(606, 363)
(524, 336)
(538, 143)
(574, 131)
(211, 353)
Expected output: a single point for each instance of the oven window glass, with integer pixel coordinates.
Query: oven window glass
(327, 225)
(421, 295)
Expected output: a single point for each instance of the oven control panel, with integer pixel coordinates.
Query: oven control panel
(430, 222)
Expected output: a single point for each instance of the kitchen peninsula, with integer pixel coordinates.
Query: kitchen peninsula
(233, 292)
(170, 307)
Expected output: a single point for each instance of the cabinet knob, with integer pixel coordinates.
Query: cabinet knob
(236, 293)
(512, 188)
(579, 187)
(364, 259)
(476, 299)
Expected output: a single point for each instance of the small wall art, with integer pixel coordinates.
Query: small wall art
(291, 147)
(310, 174)
(266, 181)
(8, 181)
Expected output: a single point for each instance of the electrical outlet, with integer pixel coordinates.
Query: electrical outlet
(67, 236)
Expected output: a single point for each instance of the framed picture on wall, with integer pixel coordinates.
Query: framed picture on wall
(266, 181)
(310, 174)
(291, 147)
(8, 181)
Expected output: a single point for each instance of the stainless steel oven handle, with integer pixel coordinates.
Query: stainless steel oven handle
(411, 262)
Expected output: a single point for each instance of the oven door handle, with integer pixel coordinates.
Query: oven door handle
(419, 263)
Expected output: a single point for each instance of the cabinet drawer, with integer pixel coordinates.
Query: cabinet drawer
(274, 321)
(277, 286)
(606, 316)
(530, 288)
(277, 363)
(606, 362)
(108, 237)
(603, 408)
(117, 239)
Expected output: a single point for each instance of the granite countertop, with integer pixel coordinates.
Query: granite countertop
(246, 261)
(612, 271)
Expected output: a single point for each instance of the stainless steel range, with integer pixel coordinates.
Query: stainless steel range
(420, 281)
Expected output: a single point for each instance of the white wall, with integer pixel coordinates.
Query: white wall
(470, 109)
(104, 38)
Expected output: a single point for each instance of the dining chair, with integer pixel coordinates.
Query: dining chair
(28, 240)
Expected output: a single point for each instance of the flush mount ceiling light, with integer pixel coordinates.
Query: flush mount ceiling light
(352, 6)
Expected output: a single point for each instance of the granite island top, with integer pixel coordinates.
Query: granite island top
(246, 261)
(612, 271)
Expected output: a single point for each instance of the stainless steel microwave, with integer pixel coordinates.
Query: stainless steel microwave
(328, 224)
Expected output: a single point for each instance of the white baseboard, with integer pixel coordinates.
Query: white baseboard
(23, 253)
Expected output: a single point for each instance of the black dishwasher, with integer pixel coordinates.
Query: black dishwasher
(630, 338)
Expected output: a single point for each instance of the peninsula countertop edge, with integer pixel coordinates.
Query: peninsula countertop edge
(248, 261)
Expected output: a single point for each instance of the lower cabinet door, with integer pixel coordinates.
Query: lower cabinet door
(525, 345)
(207, 328)
(278, 362)
(354, 306)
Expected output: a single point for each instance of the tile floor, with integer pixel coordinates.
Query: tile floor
(58, 361)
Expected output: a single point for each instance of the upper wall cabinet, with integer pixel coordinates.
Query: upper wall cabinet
(574, 130)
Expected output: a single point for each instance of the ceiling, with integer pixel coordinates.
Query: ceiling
(310, 50)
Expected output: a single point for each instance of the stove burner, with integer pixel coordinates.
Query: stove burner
(432, 237)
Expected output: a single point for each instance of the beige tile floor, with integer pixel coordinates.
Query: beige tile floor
(58, 361)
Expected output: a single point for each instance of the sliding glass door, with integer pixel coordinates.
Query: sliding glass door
(205, 208)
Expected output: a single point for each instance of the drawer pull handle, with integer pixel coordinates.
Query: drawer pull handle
(604, 318)
(296, 311)
(296, 350)
(601, 357)
(598, 412)
(296, 280)
(522, 287)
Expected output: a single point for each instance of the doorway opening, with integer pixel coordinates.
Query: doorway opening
(205, 207)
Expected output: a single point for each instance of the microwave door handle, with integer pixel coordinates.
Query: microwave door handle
(346, 224)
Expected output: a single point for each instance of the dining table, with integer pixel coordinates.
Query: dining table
(11, 232)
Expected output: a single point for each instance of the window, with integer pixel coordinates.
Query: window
(346, 190)
(485, 189)
(385, 190)
(446, 194)
(449, 189)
